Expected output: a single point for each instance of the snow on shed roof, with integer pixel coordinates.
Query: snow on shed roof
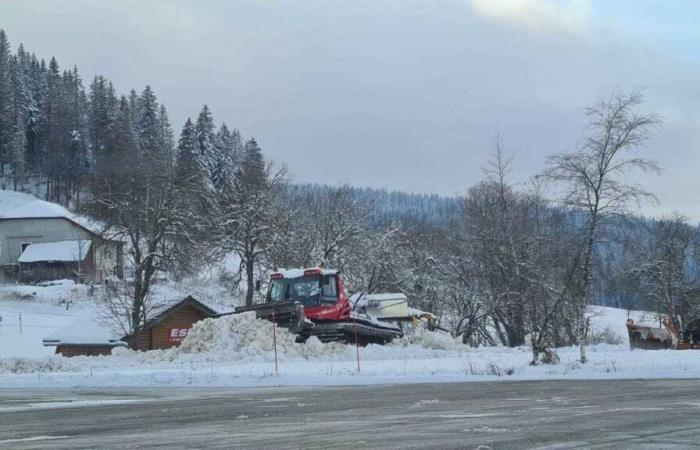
(18, 205)
(64, 251)
(84, 331)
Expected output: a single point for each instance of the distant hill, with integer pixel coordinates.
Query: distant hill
(395, 206)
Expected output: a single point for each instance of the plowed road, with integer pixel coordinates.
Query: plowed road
(551, 414)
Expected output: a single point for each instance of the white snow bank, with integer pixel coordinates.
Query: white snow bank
(51, 294)
(237, 350)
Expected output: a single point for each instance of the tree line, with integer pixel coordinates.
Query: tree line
(504, 264)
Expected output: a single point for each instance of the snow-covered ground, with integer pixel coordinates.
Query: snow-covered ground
(238, 351)
(30, 313)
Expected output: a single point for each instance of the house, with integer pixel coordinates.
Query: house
(170, 327)
(83, 337)
(40, 241)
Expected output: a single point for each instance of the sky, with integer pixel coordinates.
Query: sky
(402, 94)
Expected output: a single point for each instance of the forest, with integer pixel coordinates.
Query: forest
(502, 264)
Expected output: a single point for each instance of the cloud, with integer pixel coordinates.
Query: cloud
(544, 16)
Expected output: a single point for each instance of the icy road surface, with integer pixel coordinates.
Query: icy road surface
(640, 414)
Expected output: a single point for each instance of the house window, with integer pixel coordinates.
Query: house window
(23, 246)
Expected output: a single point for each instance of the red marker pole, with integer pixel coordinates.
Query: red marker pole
(274, 339)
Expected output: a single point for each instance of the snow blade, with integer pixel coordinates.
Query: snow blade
(288, 314)
(650, 338)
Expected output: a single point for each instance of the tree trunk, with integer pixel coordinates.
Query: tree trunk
(583, 290)
(250, 282)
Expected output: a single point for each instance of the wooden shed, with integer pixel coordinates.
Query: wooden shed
(170, 327)
(83, 337)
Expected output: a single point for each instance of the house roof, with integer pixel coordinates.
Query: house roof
(18, 205)
(189, 300)
(84, 331)
(63, 251)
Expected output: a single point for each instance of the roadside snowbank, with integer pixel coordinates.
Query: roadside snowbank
(237, 350)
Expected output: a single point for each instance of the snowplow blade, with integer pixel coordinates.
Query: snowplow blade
(650, 338)
(288, 314)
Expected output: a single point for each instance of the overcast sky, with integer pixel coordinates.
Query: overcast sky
(401, 94)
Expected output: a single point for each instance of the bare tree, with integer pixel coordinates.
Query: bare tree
(666, 258)
(593, 178)
(146, 211)
(251, 215)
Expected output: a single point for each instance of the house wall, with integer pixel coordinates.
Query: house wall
(13, 232)
(158, 336)
(109, 259)
(104, 259)
(41, 271)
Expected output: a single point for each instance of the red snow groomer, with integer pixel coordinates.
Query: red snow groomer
(314, 302)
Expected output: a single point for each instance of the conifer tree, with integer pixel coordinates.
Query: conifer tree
(5, 96)
(224, 152)
(165, 137)
(102, 114)
(206, 136)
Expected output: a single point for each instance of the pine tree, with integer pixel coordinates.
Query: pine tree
(19, 108)
(206, 136)
(152, 139)
(165, 137)
(75, 128)
(224, 152)
(6, 135)
(252, 163)
(121, 153)
(37, 87)
(102, 114)
(135, 108)
(188, 166)
(52, 142)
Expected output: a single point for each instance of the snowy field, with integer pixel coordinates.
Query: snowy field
(238, 351)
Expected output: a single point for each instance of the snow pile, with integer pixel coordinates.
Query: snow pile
(38, 365)
(238, 336)
(433, 340)
(57, 293)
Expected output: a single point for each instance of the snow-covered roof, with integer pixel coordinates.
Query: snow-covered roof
(18, 205)
(83, 331)
(296, 273)
(387, 296)
(64, 251)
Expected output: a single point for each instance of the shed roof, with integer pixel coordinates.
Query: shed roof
(84, 331)
(60, 251)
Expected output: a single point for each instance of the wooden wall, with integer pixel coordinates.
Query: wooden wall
(158, 336)
(85, 350)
